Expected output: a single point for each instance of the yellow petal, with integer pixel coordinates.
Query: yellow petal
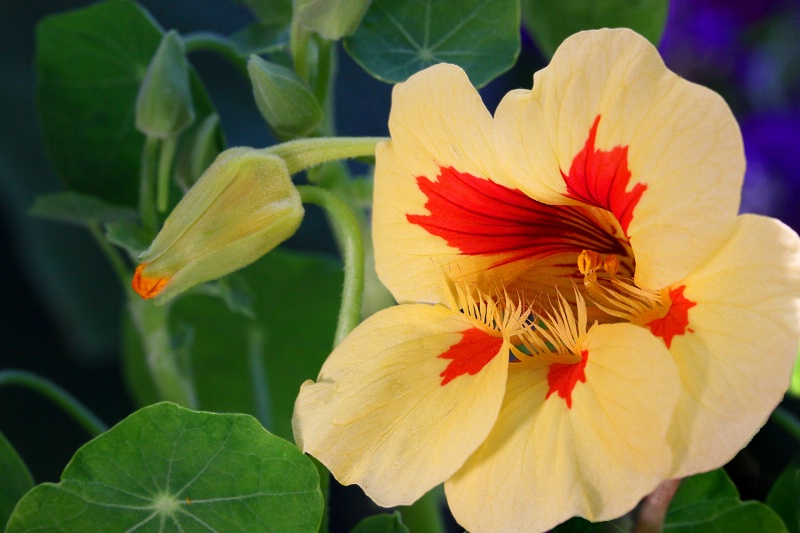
(736, 362)
(667, 154)
(545, 462)
(403, 401)
(437, 122)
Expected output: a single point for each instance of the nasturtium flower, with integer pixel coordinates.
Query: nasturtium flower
(582, 315)
(243, 206)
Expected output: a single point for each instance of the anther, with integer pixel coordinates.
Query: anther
(611, 264)
(588, 261)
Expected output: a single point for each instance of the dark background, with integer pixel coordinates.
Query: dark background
(61, 309)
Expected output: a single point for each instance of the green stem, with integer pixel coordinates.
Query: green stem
(216, 43)
(306, 153)
(147, 185)
(424, 515)
(117, 263)
(165, 160)
(346, 227)
(787, 420)
(58, 396)
(172, 382)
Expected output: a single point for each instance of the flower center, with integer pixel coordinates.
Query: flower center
(620, 297)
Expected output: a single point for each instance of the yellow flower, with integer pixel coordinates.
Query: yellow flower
(583, 314)
(242, 207)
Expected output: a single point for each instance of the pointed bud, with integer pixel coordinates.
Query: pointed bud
(164, 105)
(242, 207)
(333, 19)
(283, 99)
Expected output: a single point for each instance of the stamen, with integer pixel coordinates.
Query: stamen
(623, 299)
(558, 332)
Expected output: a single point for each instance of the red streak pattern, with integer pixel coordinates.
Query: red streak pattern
(676, 321)
(480, 217)
(562, 378)
(600, 178)
(469, 355)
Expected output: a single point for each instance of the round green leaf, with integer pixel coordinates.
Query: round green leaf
(397, 39)
(166, 468)
(552, 21)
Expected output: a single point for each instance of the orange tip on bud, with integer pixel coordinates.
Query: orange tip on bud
(147, 287)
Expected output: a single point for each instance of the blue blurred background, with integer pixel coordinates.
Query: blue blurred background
(62, 306)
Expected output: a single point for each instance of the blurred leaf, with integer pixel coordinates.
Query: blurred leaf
(79, 209)
(333, 19)
(130, 236)
(397, 39)
(16, 479)
(710, 502)
(256, 366)
(784, 497)
(166, 466)
(260, 38)
(90, 64)
(581, 525)
(270, 12)
(552, 21)
(794, 387)
(382, 523)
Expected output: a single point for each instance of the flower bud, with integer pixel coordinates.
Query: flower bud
(242, 207)
(164, 105)
(283, 99)
(333, 19)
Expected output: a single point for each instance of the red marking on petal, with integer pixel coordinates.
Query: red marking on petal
(676, 321)
(147, 287)
(562, 378)
(469, 355)
(480, 217)
(600, 177)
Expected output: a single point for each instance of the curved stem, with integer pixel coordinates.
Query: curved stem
(306, 153)
(147, 185)
(216, 43)
(174, 384)
(349, 236)
(787, 420)
(58, 396)
(165, 161)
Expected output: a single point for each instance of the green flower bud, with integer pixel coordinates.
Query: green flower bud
(242, 207)
(283, 99)
(164, 105)
(333, 19)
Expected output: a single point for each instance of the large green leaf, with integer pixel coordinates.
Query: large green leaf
(784, 498)
(16, 479)
(397, 39)
(552, 21)
(90, 63)
(255, 366)
(166, 468)
(710, 502)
